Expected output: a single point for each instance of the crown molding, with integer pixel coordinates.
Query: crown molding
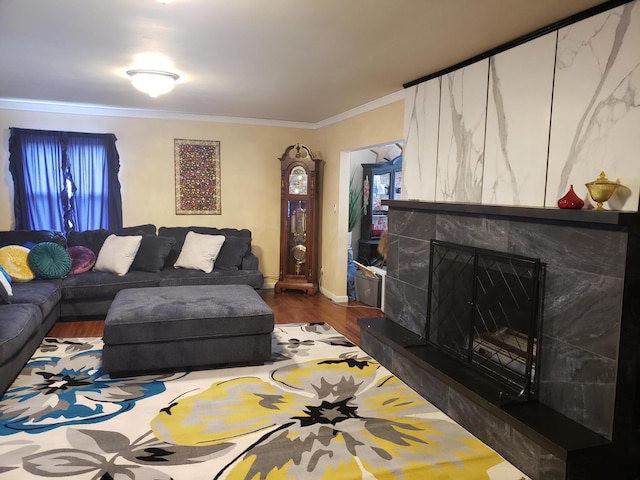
(367, 107)
(105, 111)
(43, 106)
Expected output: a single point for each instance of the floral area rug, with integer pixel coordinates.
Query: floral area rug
(321, 409)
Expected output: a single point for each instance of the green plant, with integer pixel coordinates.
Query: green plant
(355, 202)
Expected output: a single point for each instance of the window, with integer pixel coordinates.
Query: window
(65, 180)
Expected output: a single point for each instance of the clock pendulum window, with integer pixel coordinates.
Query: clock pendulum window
(298, 220)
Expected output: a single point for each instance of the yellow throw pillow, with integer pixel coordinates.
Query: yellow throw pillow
(13, 259)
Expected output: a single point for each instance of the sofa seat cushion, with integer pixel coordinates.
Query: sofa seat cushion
(18, 323)
(170, 277)
(44, 294)
(104, 285)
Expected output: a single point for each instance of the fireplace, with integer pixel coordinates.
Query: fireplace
(580, 404)
(483, 310)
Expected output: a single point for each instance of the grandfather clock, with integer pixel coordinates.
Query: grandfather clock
(298, 220)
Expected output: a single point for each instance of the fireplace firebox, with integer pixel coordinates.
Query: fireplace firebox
(484, 310)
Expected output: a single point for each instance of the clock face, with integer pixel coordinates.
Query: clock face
(299, 253)
(298, 181)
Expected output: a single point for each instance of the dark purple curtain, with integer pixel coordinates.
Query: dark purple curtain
(65, 180)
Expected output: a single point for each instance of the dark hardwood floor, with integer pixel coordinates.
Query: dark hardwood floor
(288, 307)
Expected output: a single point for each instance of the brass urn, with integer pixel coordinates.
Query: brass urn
(601, 189)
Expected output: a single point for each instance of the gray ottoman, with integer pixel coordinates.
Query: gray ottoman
(160, 328)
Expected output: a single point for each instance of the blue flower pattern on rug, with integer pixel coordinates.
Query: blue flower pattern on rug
(321, 408)
(65, 386)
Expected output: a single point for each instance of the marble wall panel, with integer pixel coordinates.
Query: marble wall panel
(422, 113)
(406, 305)
(551, 467)
(512, 445)
(463, 103)
(518, 122)
(413, 261)
(578, 384)
(378, 350)
(412, 223)
(434, 390)
(583, 309)
(479, 232)
(393, 265)
(596, 106)
(585, 272)
(587, 249)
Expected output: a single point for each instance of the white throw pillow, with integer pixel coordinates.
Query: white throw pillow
(117, 254)
(199, 251)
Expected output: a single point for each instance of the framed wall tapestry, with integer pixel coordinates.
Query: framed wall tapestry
(197, 177)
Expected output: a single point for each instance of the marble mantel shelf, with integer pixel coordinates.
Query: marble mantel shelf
(603, 217)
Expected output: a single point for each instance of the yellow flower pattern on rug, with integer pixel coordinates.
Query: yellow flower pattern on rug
(334, 418)
(319, 409)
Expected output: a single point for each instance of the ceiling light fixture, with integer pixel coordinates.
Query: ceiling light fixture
(153, 82)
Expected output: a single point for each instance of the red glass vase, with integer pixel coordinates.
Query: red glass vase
(571, 200)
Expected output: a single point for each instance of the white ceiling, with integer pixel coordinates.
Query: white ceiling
(288, 60)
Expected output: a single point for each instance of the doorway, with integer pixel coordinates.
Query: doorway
(359, 203)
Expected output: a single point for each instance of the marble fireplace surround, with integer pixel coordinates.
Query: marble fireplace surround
(589, 355)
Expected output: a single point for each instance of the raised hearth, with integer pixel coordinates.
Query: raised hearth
(588, 367)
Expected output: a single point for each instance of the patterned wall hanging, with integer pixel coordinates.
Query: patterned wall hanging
(197, 177)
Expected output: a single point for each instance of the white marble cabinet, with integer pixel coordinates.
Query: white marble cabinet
(518, 122)
(596, 107)
(422, 113)
(524, 157)
(463, 103)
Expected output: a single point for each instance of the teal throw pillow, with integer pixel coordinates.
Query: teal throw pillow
(49, 260)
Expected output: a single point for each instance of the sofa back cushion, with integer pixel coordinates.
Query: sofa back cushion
(20, 237)
(152, 253)
(232, 253)
(229, 257)
(92, 239)
(146, 229)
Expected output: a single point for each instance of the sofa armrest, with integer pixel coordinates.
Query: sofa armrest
(250, 262)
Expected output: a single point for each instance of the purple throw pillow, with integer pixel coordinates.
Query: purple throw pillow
(82, 259)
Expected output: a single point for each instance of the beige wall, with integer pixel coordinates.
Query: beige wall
(250, 174)
(249, 167)
(382, 125)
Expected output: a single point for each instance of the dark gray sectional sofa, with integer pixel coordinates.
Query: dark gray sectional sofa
(36, 305)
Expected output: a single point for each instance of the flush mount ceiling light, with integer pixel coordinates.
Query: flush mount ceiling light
(153, 82)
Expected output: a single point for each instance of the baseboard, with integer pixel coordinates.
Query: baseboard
(334, 298)
(324, 291)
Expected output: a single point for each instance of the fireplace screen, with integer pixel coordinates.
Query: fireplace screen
(483, 310)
